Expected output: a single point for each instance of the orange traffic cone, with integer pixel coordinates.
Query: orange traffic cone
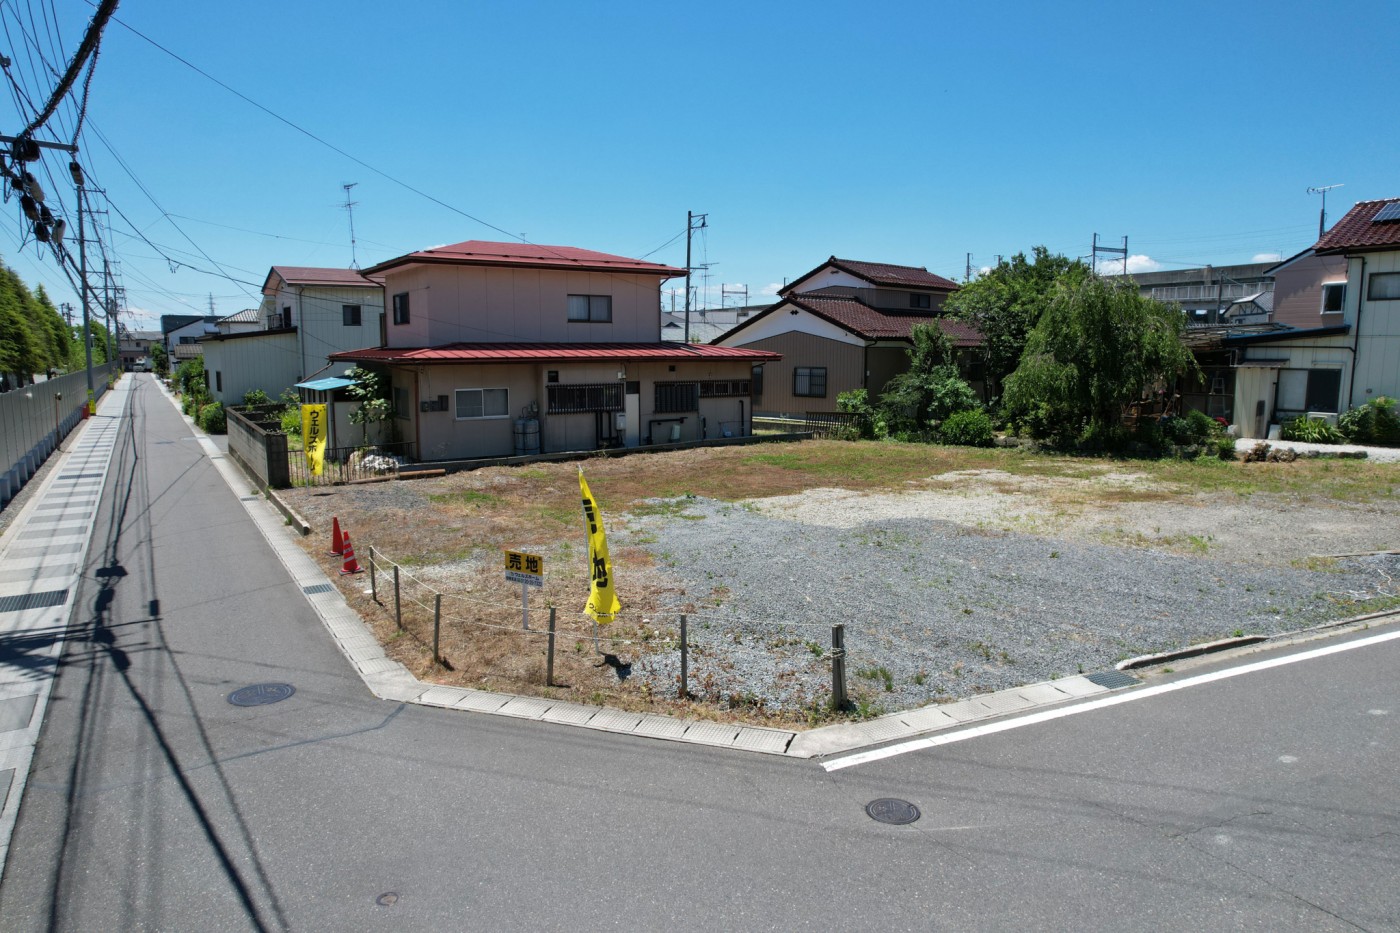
(351, 565)
(337, 542)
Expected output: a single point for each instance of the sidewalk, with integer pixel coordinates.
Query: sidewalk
(42, 553)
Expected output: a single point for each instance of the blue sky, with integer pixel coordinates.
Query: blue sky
(900, 132)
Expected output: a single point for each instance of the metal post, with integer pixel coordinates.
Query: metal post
(685, 662)
(525, 607)
(838, 666)
(373, 585)
(549, 652)
(82, 293)
(437, 626)
(398, 610)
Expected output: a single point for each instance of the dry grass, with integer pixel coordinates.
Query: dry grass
(447, 533)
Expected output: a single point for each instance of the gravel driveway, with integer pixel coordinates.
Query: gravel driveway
(935, 609)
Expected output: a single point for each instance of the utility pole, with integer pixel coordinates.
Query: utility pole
(1322, 215)
(77, 171)
(690, 228)
(350, 212)
(1094, 262)
(967, 270)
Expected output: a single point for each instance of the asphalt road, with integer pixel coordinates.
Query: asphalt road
(1266, 801)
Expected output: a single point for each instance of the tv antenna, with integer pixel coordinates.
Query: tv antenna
(1322, 217)
(350, 212)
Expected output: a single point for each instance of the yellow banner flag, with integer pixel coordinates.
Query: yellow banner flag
(602, 598)
(313, 435)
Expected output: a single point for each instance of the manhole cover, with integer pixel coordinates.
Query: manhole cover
(387, 899)
(261, 694)
(892, 810)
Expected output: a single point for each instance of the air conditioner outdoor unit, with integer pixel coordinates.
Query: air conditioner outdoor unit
(1329, 416)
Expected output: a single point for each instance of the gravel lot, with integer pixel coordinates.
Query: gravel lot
(936, 610)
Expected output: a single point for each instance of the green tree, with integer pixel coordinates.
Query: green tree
(930, 390)
(1096, 348)
(370, 390)
(1006, 302)
(160, 362)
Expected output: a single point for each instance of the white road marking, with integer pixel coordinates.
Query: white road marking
(1129, 696)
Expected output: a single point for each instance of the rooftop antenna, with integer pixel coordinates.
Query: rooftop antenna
(350, 212)
(1322, 217)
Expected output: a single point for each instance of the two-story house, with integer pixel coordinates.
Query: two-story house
(306, 314)
(1339, 302)
(495, 349)
(846, 325)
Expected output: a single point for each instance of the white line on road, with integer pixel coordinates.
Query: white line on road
(933, 741)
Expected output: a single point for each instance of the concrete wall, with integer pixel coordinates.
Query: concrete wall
(262, 451)
(476, 304)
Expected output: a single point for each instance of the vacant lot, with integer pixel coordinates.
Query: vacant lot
(953, 570)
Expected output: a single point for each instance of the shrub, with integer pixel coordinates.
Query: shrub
(856, 402)
(1178, 430)
(1148, 433)
(1225, 448)
(256, 397)
(211, 419)
(1202, 425)
(1375, 422)
(970, 428)
(1310, 431)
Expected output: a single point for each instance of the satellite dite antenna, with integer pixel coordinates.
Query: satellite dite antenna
(1322, 217)
(350, 211)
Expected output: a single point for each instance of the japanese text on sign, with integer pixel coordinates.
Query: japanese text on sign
(524, 568)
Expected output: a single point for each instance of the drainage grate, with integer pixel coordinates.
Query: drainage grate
(315, 588)
(261, 694)
(892, 810)
(33, 601)
(1113, 679)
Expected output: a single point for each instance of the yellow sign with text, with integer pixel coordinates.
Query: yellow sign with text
(524, 568)
(602, 597)
(313, 435)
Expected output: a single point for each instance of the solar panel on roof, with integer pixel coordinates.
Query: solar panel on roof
(1390, 212)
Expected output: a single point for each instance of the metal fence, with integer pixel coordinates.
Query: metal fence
(828, 423)
(35, 419)
(350, 464)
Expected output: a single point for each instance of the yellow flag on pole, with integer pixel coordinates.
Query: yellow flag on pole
(313, 435)
(602, 597)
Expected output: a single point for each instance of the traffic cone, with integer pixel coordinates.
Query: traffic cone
(351, 565)
(337, 542)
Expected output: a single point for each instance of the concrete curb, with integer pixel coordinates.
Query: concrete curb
(1194, 651)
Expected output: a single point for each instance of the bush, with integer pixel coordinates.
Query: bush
(1203, 426)
(857, 402)
(1375, 422)
(1225, 448)
(1178, 430)
(970, 428)
(1148, 433)
(1310, 431)
(211, 419)
(256, 397)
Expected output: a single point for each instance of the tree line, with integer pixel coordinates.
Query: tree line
(35, 337)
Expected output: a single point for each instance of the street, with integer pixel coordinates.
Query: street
(1260, 801)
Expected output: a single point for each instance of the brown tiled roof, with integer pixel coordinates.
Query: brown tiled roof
(1357, 232)
(527, 255)
(556, 352)
(874, 324)
(314, 275)
(881, 273)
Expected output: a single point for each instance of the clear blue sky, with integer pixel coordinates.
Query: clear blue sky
(900, 132)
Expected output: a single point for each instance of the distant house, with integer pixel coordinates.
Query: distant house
(494, 349)
(846, 325)
(181, 333)
(134, 347)
(306, 314)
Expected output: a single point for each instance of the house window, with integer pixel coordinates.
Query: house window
(1384, 286)
(186, 340)
(594, 308)
(809, 381)
(920, 301)
(482, 403)
(1333, 294)
(350, 315)
(1324, 387)
(720, 388)
(757, 379)
(218, 381)
(401, 308)
(576, 398)
(677, 396)
(401, 406)
(286, 316)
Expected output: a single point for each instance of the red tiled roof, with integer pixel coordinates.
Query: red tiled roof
(1356, 231)
(874, 324)
(313, 275)
(550, 352)
(527, 255)
(881, 273)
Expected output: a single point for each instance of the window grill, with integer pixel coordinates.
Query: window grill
(677, 397)
(573, 399)
(719, 388)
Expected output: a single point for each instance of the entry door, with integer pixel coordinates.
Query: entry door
(632, 407)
